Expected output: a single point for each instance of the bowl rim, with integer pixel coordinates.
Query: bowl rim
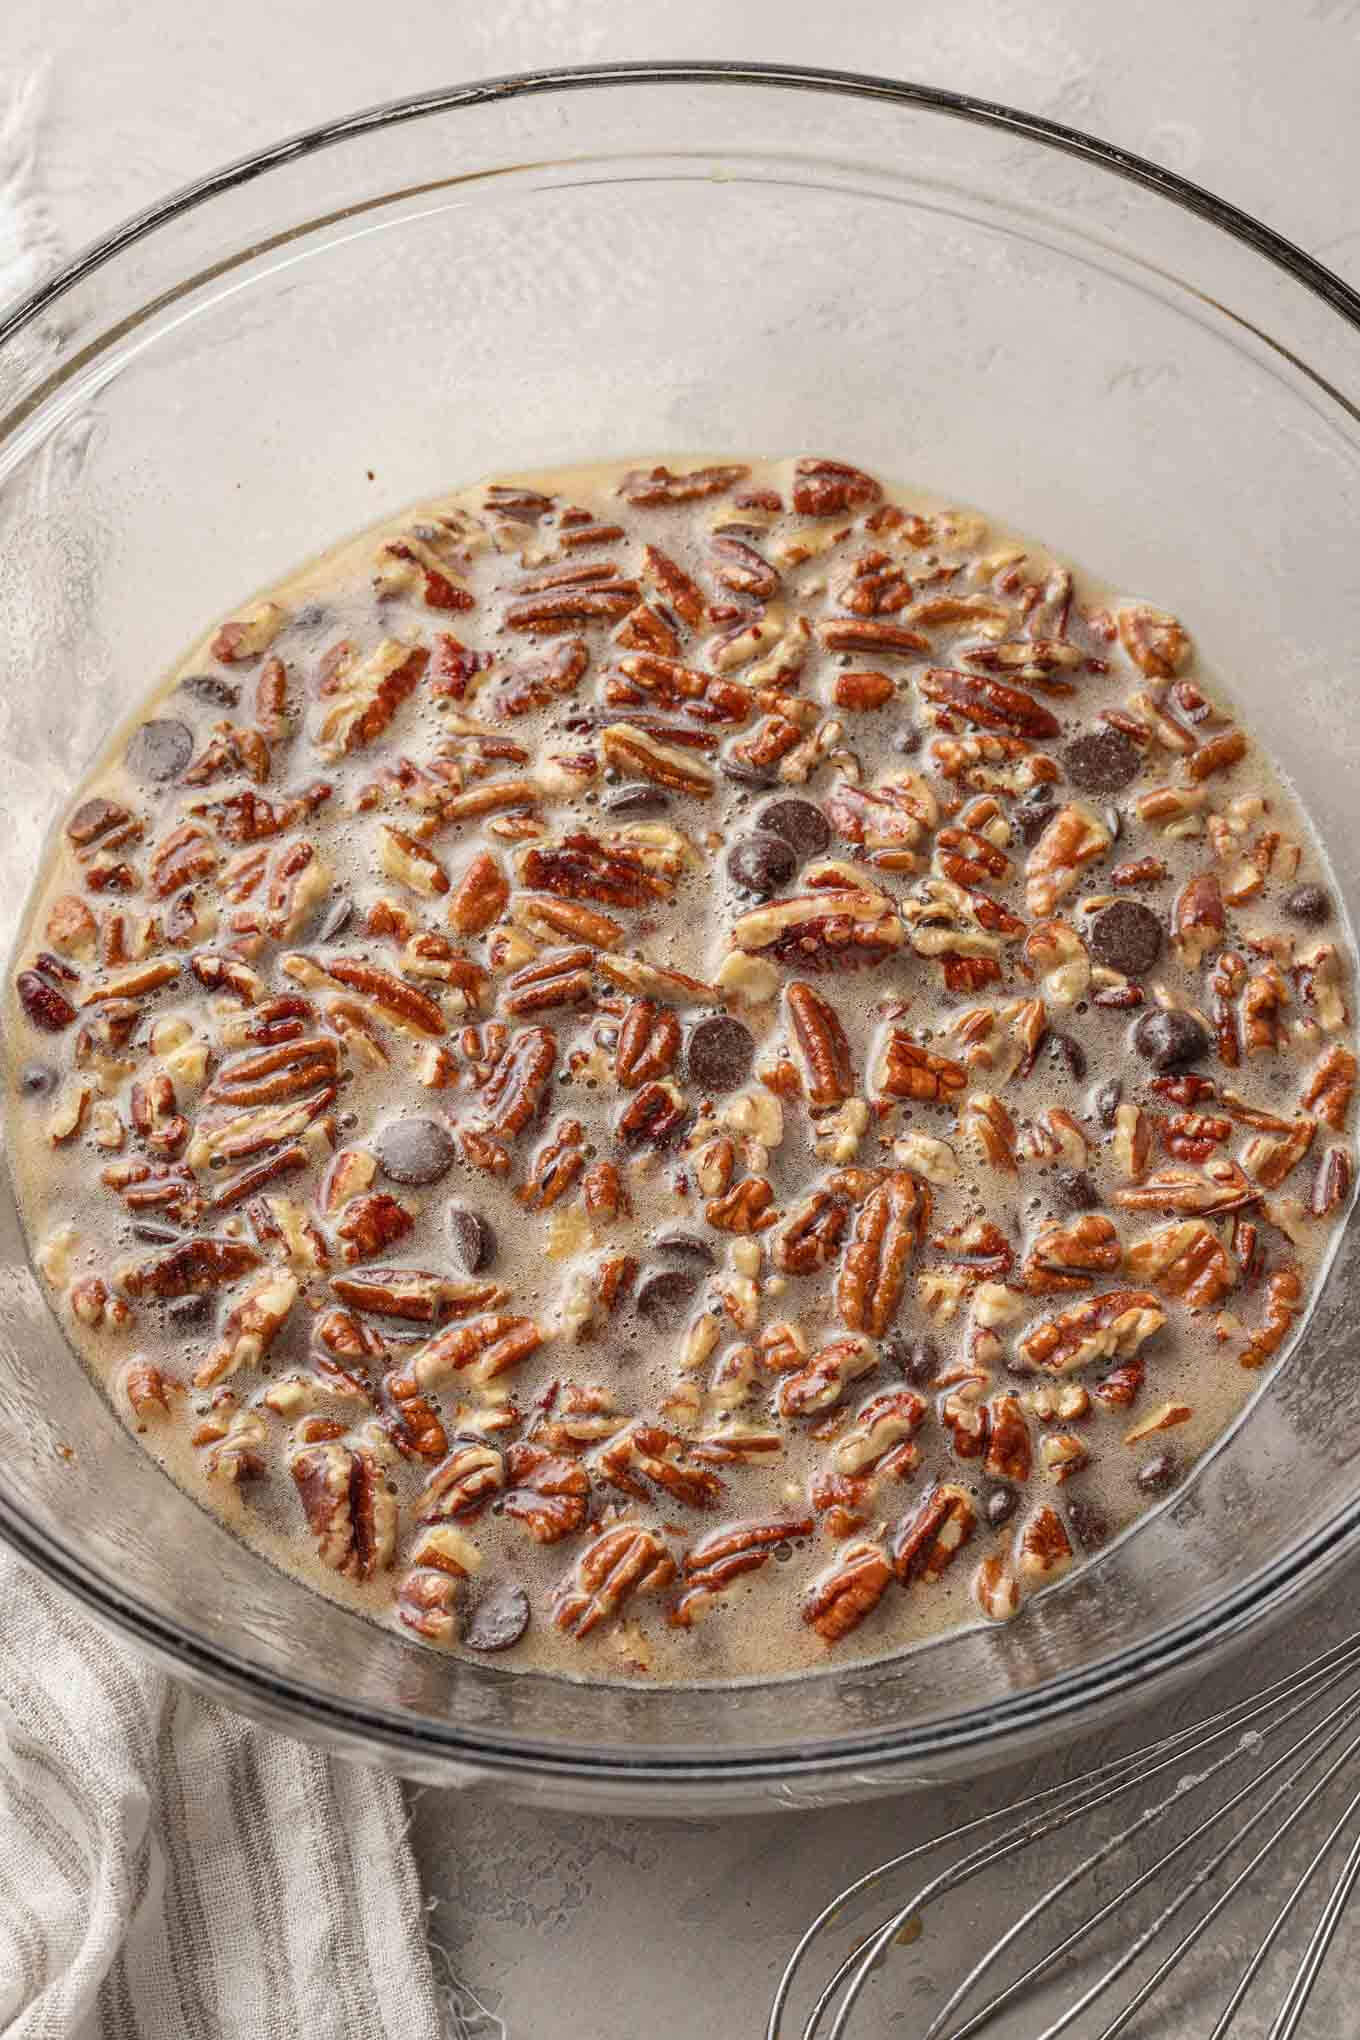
(1297, 1570)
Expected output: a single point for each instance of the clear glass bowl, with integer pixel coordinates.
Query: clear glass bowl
(612, 262)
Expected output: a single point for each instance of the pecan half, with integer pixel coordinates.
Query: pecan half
(989, 703)
(907, 1070)
(1284, 1299)
(873, 1273)
(1158, 645)
(548, 1492)
(828, 488)
(415, 1294)
(810, 1235)
(251, 1328)
(831, 930)
(650, 488)
(1218, 1186)
(648, 1043)
(823, 1046)
(645, 1456)
(646, 679)
(1197, 919)
(1073, 839)
(195, 1267)
(823, 1380)
(1186, 1260)
(881, 1425)
(623, 1561)
(1072, 1255)
(351, 1513)
(925, 1543)
(1330, 1084)
(639, 755)
(365, 694)
(1009, 1453)
(1111, 1326)
(849, 1590)
(728, 1552)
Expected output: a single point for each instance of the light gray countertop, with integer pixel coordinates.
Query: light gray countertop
(610, 1930)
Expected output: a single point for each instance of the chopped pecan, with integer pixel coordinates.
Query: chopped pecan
(1193, 1136)
(1331, 1182)
(428, 1595)
(881, 1425)
(909, 1071)
(351, 1513)
(925, 1543)
(1284, 1299)
(727, 1552)
(1327, 1092)
(811, 1233)
(1043, 1548)
(364, 694)
(548, 1492)
(1009, 1453)
(650, 488)
(371, 1224)
(620, 1562)
(1158, 645)
(823, 1046)
(872, 1275)
(555, 1167)
(479, 897)
(1216, 1187)
(603, 1193)
(480, 1350)
(415, 1294)
(250, 1329)
(991, 704)
(194, 1267)
(1270, 1159)
(829, 488)
(1071, 1255)
(463, 1483)
(1198, 919)
(744, 1209)
(244, 637)
(645, 1456)
(824, 930)
(888, 822)
(1186, 1260)
(1219, 754)
(1111, 1326)
(849, 1590)
(1263, 1000)
(986, 1124)
(156, 1119)
(863, 692)
(654, 1116)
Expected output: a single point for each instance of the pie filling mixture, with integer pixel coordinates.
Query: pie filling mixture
(675, 1070)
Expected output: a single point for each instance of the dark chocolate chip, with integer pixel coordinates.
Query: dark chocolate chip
(1159, 1474)
(746, 775)
(760, 863)
(637, 798)
(916, 1360)
(499, 1619)
(159, 750)
(1073, 1190)
(1001, 1505)
(36, 1080)
(188, 1312)
(155, 1235)
(1106, 1102)
(207, 687)
(664, 1297)
(720, 1054)
(1103, 761)
(802, 825)
(311, 616)
(473, 1240)
(907, 740)
(1091, 1526)
(337, 918)
(414, 1150)
(1169, 1039)
(1309, 903)
(1070, 1054)
(1034, 813)
(1126, 936)
(687, 1245)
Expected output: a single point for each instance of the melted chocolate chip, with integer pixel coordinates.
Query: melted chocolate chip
(155, 1235)
(1159, 1474)
(1103, 761)
(720, 1054)
(1001, 1505)
(687, 1245)
(1091, 1527)
(1106, 1102)
(907, 740)
(473, 1240)
(1126, 936)
(761, 863)
(159, 750)
(637, 798)
(207, 687)
(36, 1080)
(1073, 1190)
(1033, 814)
(414, 1150)
(916, 1360)
(664, 1297)
(186, 1313)
(1311, 904)
(746, 775)
(1070, 1054)
(1169, 1039)
(802, 825)
(499, 1619)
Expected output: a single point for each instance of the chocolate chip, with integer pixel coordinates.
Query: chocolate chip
(188, 1312)
(473, 1240)
(664, 1297)
(311, 616)
(1103, 761)
(414, 1150)
(1001, 1505)
(499, 1619)
(1169, 1039)
(155, 1235)
(207, 687)
(1309, 903)
(802, 825)
(1073, 1190)
(637, 798)
(746, 775)
(36, 1080)
(907, 740)
(1091, 1526)
(1159, 1474)
(687, 1245)
(1125, 936)
(1070, 1054)
(916, 1360)
(1033, 814)
(1106, 1102)
(760, 863)
(337, 918)
(159, 750)
(720, 1054)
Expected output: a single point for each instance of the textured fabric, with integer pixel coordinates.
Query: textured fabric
(167, 1871)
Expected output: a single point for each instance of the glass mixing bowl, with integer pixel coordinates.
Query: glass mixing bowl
(614, 262)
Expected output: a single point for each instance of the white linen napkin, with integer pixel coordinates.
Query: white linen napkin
(168, 1871)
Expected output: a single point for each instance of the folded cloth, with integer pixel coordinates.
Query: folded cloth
(167, 1871)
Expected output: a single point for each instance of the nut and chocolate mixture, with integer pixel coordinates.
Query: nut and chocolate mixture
(670, 1070)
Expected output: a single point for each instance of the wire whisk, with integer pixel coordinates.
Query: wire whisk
(1248, 1778)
